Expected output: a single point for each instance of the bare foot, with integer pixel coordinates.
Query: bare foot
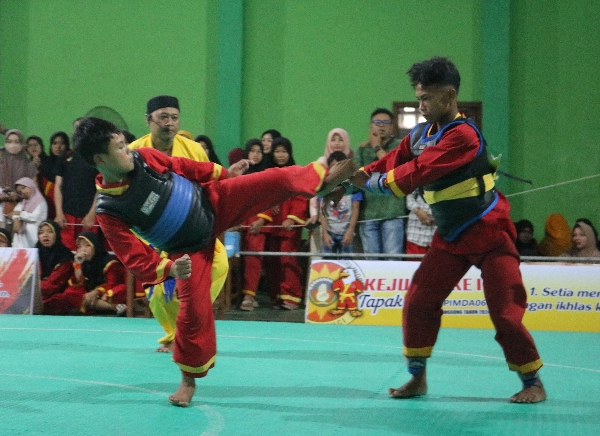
(166, 348)
(530, 394)
(415, 387)
(338, 172)
(183, 396)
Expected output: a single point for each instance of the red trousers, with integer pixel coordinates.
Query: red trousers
(233, 200)
(504, 292)
(283, 273)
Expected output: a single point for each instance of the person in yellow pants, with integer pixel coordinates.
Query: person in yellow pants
(164, 303)
(162, 117)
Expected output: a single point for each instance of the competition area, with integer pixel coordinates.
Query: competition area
(101, 376)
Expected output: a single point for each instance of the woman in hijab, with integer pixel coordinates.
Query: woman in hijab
(28, 214)
(56, 260)
(14, 164)
(584, 240)
(97, 283)
(557, 236)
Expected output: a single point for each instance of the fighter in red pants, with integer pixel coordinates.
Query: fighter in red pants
(180, 206)
(447, 157)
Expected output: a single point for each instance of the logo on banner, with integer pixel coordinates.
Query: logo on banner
(333, 292)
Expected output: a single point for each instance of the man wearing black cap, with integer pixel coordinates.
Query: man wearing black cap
(162, 116)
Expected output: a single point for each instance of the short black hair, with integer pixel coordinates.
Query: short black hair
(92, 136)
(437, 71)
(382, 110)
(336, 155)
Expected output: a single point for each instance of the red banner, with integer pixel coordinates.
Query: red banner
(18, 278)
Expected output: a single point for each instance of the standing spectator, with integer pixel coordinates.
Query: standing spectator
(97, 283)
(28, 214)
(59, 145)
(235, 155)
(381, 231)
(584, 239)
(74, 193)
(337, 140)
(284, 273)
(421, 224)
(338, 226)
(208, 147)
(34, 149)
(56, 260)
(267, 139)
(163, 118)
(557, 236)
(253, 151)
(526, 244)
(14, 165)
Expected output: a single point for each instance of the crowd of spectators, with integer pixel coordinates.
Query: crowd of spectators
(47, 201)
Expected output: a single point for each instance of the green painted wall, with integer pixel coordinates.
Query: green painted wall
(554, 109)
(308, 66)
(311, 65)
(74, 55)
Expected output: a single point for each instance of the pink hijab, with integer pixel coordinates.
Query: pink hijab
(328, 148)
(29, 204)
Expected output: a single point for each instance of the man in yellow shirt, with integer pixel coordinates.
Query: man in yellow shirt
(162, 116)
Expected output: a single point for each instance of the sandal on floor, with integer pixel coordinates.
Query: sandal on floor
(248, 304)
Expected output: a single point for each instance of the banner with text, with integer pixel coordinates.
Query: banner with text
(18, 276)
(559, 296)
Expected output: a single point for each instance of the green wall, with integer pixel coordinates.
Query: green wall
(307, 66)
(74, 55)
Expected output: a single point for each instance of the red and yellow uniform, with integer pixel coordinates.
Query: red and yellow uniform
(485, 240)
(230, 201)
(165, 307)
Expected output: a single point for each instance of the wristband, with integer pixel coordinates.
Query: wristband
(375, 184)
(76, 266)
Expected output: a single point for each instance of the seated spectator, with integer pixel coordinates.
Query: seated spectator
(14, 164)
(5, 238)
(584, 240)
(557, 236)
(253, 150)
(97, 283)
(339, 226)
(56, 260)
(526, 243)
(421, 224)
(28, 214)
(208, 147)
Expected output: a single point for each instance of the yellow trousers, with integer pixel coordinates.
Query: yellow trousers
(165, 305)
